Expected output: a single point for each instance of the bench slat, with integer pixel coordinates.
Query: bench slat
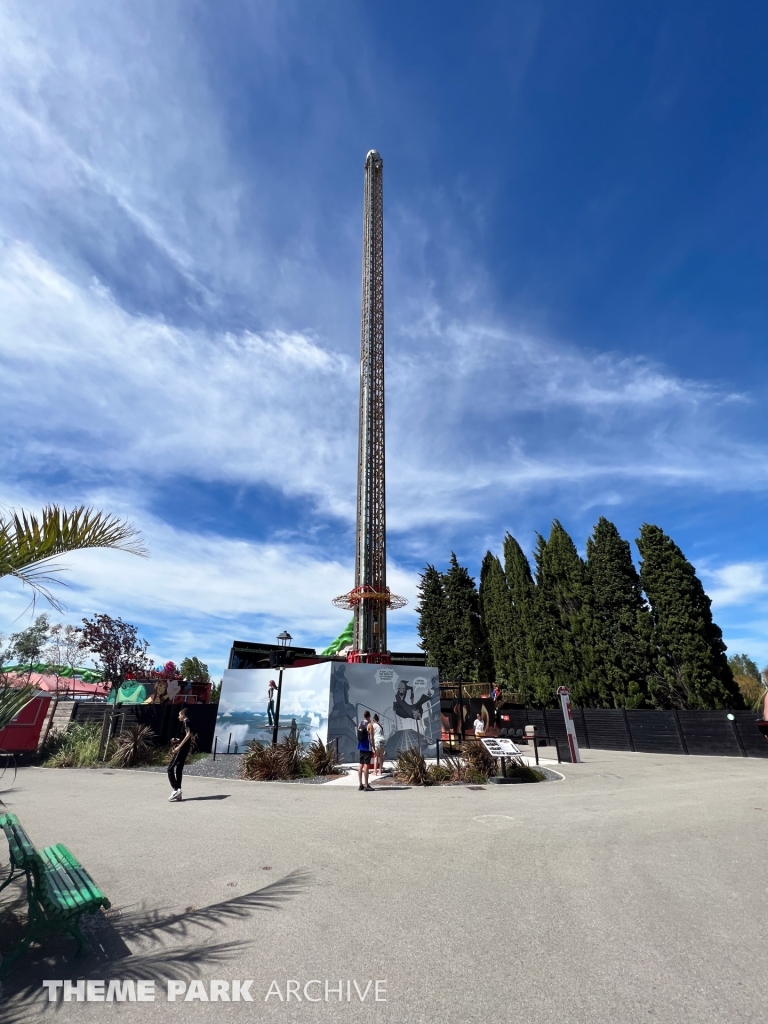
(20, 846)
(82, 874)
(56, 892)
(59, 857)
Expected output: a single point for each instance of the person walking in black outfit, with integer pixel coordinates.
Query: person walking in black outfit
(180, 752)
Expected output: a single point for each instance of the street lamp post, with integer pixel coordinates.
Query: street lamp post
(458, 678)
(282, 640)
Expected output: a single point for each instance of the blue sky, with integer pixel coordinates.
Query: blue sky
(575, 248)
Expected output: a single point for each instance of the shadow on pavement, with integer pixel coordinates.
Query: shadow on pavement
(216, 796)
(129, 944)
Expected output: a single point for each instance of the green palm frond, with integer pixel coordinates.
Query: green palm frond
(12, 700)
(28, 544)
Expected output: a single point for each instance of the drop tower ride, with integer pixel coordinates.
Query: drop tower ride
(370, 598)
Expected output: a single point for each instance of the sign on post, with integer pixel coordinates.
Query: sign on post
(500, 747)
(565, 700)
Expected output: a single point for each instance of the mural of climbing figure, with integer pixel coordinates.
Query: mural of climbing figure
(405, 697)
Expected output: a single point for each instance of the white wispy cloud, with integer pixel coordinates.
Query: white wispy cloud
(118, 392)
(737, 584)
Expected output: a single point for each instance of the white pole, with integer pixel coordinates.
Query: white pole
(565, 700)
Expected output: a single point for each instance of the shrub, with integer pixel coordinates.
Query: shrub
(77, 747)
(411, 768)
(517, 768)
(134, 746)
(320, 758)
(262, 762)
(288, 760)
(290, 753)
(438, 773)
(479, 764)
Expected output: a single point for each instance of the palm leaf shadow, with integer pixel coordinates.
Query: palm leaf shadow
(20, 995)
(22, 1001)
(152, 926)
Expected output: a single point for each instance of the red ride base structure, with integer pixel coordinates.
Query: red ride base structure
(23, 734)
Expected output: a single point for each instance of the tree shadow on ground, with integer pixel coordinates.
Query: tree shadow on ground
(129, 943)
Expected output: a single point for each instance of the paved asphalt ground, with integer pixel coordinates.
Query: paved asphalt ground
(634, 891)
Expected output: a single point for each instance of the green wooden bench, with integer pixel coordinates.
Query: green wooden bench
(59, 889)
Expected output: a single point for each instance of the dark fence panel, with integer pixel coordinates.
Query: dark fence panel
(709, 732)
(754, 742)
(606, 728)
(554, 725)
(162, 719)
(652, 732)
(517, 720)
(202, 719)
(655, 732)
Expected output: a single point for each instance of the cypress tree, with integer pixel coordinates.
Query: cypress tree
(565, 642)
(691, 667)
(621, 624)
(525, 638)
(433, 628)
(471, 653)
(498, 617)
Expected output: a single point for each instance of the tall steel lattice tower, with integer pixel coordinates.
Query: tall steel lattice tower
(371, 596)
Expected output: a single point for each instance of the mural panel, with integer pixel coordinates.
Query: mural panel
(406, 699)
(246, 712)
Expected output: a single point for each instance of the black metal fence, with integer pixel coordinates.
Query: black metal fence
(723, 733)
(162, 719)
(653, 732)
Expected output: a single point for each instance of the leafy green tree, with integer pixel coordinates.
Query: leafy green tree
(27, 646)
(434, 628)
(691, 668)
(621, 624)
(471, 654)
(747, 677)
(498, 617)
(116, 646)
(742, 665)
(525, 635)
(194, 669)
(29, 546)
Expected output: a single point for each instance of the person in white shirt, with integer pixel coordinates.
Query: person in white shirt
(479, 726)
(379, 746)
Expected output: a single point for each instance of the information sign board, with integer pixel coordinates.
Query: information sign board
(500, 746)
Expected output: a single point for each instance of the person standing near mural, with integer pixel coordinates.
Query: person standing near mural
(180, 752)
(365, 743)
(479, 726)
(378, 746)
(271, 702)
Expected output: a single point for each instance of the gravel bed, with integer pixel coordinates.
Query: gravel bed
(226, 766)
